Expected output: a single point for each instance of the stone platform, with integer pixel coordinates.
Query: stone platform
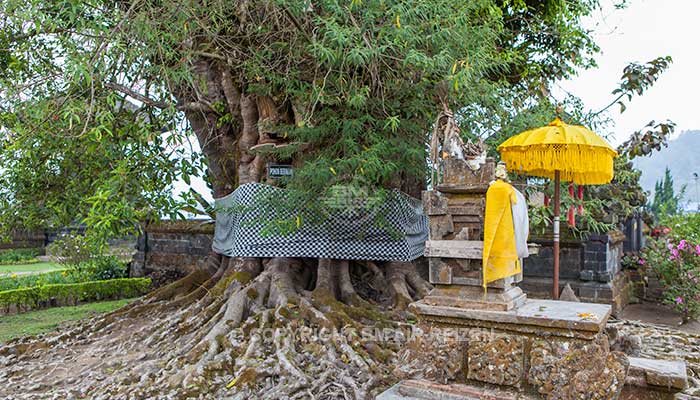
(556, 318)
(538, 348)
(541, 349)
(647, 379)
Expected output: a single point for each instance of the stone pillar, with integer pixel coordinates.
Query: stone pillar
(456, 210)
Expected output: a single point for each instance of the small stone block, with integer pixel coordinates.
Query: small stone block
(439, 272)
(469, 249)
(662, 373)
(469, 209)
(457, 172)
(441, 226)
(434, 203)
(587, 275)
(473, 297)
(604, 276)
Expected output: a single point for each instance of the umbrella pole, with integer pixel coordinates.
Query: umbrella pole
(555, 280)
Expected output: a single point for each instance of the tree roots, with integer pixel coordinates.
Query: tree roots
(238, 328)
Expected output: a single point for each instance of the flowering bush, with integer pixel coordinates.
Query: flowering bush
(84, 259)
(74, 251)
(677, 264)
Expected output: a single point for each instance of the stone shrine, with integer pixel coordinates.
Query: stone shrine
(472, 343)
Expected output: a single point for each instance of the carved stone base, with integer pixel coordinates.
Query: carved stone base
(542, 346)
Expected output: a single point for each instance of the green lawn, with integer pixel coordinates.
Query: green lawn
(41, 321)
(34, 267)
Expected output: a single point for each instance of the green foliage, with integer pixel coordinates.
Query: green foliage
(644, 142)
(101, 268)
(588, 221)
(19, 256)
(622, 197)
(108, 267)
(74, 251)
(666, 201)
(681, 226)
(33, 297)
(88, 88)
(85, 259)
(625, 196)
(637, 78)
(673, 254)
(31, 280)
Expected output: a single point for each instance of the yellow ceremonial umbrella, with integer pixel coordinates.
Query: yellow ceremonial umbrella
(563, 152)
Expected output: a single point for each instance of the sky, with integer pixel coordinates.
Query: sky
(646, 29)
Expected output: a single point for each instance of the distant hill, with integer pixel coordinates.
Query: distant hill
(682, 156)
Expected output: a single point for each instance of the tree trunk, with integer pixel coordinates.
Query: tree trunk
(194, 336)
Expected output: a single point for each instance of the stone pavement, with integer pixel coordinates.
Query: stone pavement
(662, 342)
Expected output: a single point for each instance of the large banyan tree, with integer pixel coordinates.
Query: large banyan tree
(100, 102)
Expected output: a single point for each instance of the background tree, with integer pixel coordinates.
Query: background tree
(99, 101)
(666, 201)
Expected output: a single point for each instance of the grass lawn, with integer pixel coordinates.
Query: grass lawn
(41, 321)
(34, 267)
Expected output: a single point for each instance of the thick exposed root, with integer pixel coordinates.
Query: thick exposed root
(405, 285)
(333, 280)
(240, 328)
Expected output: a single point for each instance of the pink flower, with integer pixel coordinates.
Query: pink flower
(682, 245)
(697, 249)
(641, 261)
(667, 230)
(695, 280)
(679, 300)
(670, 246)
(674, 253)
(690, 276)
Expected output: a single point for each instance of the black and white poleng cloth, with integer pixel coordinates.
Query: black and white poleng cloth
(259, 220)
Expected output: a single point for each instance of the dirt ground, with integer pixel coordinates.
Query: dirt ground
(658, 314)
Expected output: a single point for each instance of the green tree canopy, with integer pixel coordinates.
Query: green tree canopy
(99, 99)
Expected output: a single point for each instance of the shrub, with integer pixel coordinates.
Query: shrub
(46, 278)
(74, 251)
(677, 264)
(108, 267)
(681, 226)
(38, 296)
(19, 256)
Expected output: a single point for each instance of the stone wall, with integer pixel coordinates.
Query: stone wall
(591, 267)
(38, 239)
(172, 248)
(25, 240)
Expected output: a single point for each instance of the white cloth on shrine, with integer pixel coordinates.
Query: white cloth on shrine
(521, 224)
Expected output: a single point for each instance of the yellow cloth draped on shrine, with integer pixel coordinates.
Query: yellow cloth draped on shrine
(500, 256)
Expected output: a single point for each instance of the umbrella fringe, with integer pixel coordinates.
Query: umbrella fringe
(581, 165)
